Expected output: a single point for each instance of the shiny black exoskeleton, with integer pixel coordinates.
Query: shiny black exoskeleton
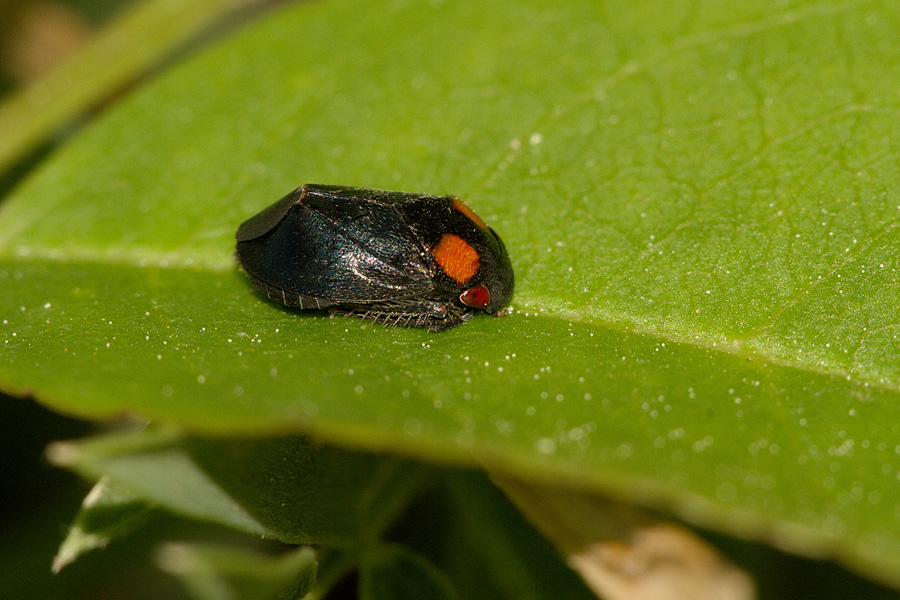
(398, 258)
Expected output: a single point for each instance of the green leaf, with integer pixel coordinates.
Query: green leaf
(289, 488)
(106, 513)
(700, 203)
(222, 573)
(394, 573)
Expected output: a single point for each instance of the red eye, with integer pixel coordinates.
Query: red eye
(476, 297)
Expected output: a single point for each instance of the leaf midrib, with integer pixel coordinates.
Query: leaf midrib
(738, 348)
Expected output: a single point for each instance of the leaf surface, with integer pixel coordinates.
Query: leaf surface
(222, 573)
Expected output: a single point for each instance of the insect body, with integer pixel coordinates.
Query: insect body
(398, 258)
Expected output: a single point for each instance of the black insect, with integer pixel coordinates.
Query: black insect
(398, 258)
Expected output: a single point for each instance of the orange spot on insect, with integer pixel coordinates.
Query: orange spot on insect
(458, 259)
(466, 210)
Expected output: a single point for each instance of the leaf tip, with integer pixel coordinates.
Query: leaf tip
(62, 454)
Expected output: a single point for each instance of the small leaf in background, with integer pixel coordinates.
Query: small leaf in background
(222, 573)
(108, 512)
(289, 488)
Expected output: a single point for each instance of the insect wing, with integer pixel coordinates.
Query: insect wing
(268, 219)
(374, 225)
(337, 248)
